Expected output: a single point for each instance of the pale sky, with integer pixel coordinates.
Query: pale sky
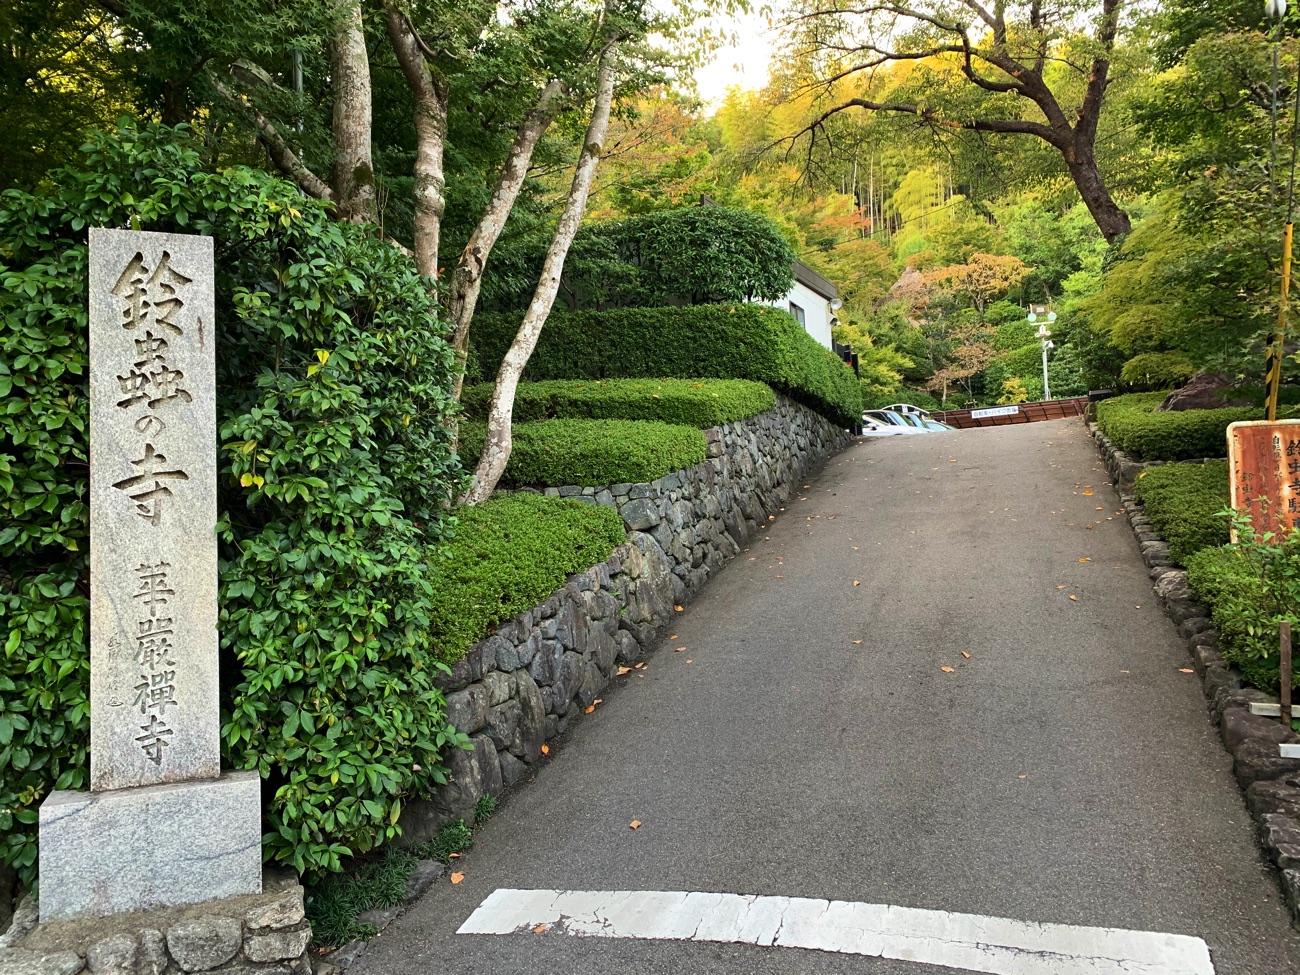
(742, 65)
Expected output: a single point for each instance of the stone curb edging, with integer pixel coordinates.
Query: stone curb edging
(260, 934)
(1271, 784)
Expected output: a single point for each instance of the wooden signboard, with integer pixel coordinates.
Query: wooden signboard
(1264, 473)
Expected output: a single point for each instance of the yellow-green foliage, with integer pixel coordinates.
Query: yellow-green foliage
(698, 403)
(509, 554)
(553, 453)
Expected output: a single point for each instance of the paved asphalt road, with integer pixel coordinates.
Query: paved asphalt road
(1066, 772)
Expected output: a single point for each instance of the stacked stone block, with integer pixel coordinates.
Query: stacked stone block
(262, 934)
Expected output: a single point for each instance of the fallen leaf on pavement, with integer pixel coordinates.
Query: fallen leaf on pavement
(855, 548)
(856, 642)
(1123, 671)
(965, 654)
(1022, 776)
(948, 670)
(1186, 670)
(1060, 587)
(635, 824)
(624, 670)
(780, 577)
(590, 708)
(673, 637)
(641, 666)
(453, 856)
(1085, 560)
(856, 582)
(677, 609)
(1074, 599)
(1087, 494)
(457, 878)
(679, 650)
(690, 661)
(546, 749)
(540, 928)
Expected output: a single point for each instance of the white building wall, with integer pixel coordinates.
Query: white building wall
(816, 311)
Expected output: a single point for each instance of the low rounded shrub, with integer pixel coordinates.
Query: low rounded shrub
(1133, 426)
(591, 453)
(1184, 503)
(698, 403)
(731, 341)
(509, 554)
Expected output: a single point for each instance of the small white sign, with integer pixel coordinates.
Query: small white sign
(994, 411)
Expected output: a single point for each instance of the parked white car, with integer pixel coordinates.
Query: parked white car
(888, 423)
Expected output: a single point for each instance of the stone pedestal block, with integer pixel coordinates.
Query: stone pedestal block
(158, 846)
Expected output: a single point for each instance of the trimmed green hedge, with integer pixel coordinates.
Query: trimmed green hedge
(553, 453)
(1245, 615)
(734, 341)
(699, 403)
(1183, 502)
(508, 555)
(1129, 421)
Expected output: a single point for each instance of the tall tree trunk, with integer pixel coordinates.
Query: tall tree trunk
(1081, 160)
(430, 93)
(354, 173)
(496, 447)
(468, 276)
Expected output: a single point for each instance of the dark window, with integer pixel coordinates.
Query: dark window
(797, 312)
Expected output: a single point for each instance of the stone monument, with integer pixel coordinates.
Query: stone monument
(161, 825)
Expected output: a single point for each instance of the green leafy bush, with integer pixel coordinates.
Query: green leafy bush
(693, 254)
(1250, 589)
(1184, 503)
(553, 453)
(333, 470)
(1129, 421)
(700, 403)
(509, 554)
(739, 341)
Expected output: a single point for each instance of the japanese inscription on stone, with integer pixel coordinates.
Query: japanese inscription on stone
(1264, 473)
(153, 552)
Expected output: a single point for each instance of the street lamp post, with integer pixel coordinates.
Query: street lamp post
(1045, 336)
(1275, 9)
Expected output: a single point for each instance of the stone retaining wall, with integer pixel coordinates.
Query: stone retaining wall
(1271, 783)
(262, 934)
(524, 685)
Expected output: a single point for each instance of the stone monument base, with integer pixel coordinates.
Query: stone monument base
(260, 934)
(159, 846)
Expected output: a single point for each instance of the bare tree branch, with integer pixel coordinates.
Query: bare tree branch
(497, 443)
(430, 93)
(467, 279)
(284, 158)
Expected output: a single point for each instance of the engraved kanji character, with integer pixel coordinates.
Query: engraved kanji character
(154, 738)
(154, 588)
(149, 501)
(156, 690)
(1293, 448)
(156, 293)
(155, 652)
(151, 377)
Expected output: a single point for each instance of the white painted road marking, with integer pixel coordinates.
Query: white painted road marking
(964, 941)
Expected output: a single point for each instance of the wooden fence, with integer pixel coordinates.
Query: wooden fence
(997, 416)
